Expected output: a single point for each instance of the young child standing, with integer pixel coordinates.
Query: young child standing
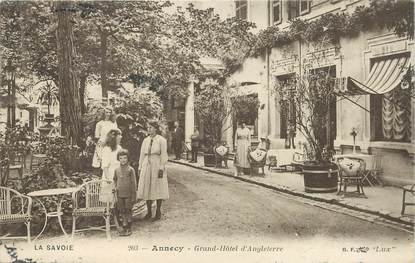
(126, 187)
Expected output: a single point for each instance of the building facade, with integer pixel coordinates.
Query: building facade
(373, 62)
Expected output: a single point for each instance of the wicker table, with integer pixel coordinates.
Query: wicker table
(60, 192)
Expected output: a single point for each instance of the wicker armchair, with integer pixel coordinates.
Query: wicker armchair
(15, 208)
(87, 204)
(221, 155)
(351, 170)
(257, 159)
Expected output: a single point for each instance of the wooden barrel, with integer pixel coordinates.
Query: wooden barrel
(320, 178)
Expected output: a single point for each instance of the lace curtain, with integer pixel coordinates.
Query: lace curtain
(396, 116)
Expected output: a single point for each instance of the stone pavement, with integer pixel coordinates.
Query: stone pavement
(385, 202)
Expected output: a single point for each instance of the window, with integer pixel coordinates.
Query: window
(298, 8)
(304, 7)
(276, 10)
(390, 115)
(241, 9)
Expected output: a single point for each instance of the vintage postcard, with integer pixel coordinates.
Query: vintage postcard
(269, 131)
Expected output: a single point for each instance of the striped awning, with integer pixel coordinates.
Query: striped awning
(385, 75)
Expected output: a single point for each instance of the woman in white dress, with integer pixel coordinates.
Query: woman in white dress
(152, 184)
(109, 164)
(101, 130)
(243, 141)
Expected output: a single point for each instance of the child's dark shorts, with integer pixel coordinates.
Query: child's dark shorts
(125, 204)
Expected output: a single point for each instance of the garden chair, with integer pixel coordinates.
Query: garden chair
(221, 155)
(409, 189)
(36, 159)
(17, 159)
(37, 155)
(15, 208)
(86, 204)
(351, 171)
(298, 161)
(4, 172)
(188, 150)
(375, 173)
(257, 159)
(273, 162)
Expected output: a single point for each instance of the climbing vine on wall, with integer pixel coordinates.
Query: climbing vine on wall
(396, 16)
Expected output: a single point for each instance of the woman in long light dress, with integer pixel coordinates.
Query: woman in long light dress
(101, 131)
(243, 141)
(109, 164)
(153, 184)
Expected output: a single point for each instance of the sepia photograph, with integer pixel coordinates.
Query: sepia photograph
(257, 131)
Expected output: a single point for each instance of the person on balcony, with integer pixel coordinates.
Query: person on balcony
(243, 142)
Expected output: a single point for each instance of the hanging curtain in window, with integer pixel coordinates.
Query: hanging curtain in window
(396, 116)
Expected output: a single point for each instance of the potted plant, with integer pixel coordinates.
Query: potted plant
(311, 96)
(211, 105)
(48, 95)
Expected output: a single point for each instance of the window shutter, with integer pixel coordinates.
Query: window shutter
(276, 12)
(304, 7)
(293, 9)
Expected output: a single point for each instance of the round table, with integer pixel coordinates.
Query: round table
(60, 192)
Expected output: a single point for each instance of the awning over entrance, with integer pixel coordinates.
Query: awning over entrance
(384, 76)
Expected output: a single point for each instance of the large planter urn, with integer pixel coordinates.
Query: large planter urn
(320, 178)
(44, 130)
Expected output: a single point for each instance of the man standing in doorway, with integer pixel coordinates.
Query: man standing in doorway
(177, 140)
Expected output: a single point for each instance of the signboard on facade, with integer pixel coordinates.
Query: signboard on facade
(321, 58)
(284, 66)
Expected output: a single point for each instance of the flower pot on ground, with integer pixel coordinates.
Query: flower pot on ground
(320, 177)
(209, 159)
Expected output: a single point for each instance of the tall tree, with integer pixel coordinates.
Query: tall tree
(13, 28)
(70, 109)
(120, 27)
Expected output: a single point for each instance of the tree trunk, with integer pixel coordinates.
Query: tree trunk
(13, 107)
(70, 110)
(9, 103)
(82, 87)
(104, 80)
